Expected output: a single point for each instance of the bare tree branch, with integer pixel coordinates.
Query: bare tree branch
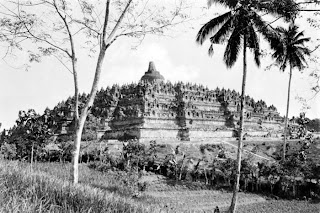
(46, 41)
(118, 23)
(63, 64)
(106, 20)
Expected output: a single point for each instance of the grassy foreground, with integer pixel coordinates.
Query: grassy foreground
(43, 191)
(47, 189)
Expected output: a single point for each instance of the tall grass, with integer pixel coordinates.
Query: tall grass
(115, 182)
(41, 191)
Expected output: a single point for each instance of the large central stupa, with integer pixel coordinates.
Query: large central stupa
(152, 74)
(157, 110)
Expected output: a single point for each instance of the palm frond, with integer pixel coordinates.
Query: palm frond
(281, 30)
(291, 49)
(296, 61)
(283, 62)
(300, 41)
(223, 32)
(232, 49)
(304, 50)
(270, 34)
(253, 43)
(278, 46)
(227, 3)
(303, 61)
(209, 28)
(280, 58)
(301, 55)
(292, 32)
(243, 20)
(282, 8)
(210, 50)
(298, 35)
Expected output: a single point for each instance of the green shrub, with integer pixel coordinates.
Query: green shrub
(8, 151)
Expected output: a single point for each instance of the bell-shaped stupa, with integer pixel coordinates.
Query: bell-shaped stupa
(152, 74)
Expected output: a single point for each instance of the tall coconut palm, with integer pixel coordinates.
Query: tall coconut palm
(239, 28)
(289, 50)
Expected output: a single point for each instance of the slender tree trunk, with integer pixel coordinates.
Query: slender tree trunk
(31, 160)
(76, 151)
(181, 169)
(76, 90)
(286, 119)
(206, 176)
(252, 184)
(77, 129)
(233, 206)
(83, 116)
(77, 126)
(105, 44)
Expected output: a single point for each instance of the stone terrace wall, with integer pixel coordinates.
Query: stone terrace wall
(188, 111)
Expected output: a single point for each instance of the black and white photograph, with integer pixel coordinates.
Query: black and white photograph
(160, 106)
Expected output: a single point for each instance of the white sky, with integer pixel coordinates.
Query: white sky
(178, 58)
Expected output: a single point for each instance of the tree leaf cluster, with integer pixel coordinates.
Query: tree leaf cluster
(31, 130)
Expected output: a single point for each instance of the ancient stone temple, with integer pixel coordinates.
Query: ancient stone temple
(154, 109)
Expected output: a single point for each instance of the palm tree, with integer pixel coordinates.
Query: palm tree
(239, 27)
(289, 50)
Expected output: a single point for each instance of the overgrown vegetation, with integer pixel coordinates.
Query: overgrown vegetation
(294, 178)
(43, 191)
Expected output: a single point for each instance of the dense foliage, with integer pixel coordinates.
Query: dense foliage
(294, 178)
(28, 137)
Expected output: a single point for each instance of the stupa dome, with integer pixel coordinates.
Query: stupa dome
(152, 74)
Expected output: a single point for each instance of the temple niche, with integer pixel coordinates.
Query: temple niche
(153, 109)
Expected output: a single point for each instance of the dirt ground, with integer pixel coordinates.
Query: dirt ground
(180, 197)
(185, 197)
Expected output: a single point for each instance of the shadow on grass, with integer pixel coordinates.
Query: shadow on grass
(190, 185)
(315, 201)
(113, 189)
